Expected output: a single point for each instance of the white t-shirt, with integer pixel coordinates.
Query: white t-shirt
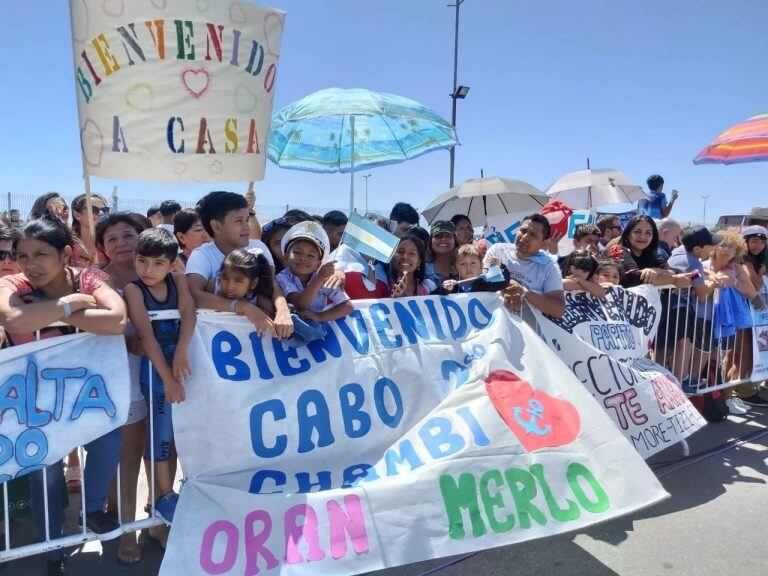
(206, 260)
(539, 273)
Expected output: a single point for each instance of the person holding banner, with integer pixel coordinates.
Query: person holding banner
(48, 290)
(406, 270)
(225, 217)
(81, 223)
(441, 252)
(534, 276)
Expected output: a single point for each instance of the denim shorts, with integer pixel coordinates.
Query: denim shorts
(162, 422)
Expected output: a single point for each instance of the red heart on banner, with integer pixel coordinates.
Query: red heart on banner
(196, 81)
(536, 418)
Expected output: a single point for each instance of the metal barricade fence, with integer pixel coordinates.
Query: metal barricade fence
(84, 535)
(702, 352)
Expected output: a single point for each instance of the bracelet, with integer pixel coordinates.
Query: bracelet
(233, 305)
(66, 306)
(525, 293)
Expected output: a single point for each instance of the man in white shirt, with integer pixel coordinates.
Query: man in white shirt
(224, 215)
(534, 276)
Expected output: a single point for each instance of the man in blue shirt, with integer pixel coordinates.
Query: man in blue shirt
(655, 205)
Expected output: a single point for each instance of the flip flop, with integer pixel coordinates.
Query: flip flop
(72, 477)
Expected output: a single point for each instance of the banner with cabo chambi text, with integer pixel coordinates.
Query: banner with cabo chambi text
(55, 395)
(417, 428)
(605, 342)
(175, 89)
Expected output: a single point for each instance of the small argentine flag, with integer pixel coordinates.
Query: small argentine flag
(367, 238)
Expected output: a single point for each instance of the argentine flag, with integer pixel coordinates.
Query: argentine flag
(367, 238)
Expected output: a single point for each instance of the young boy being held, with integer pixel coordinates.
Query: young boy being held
(469, 264)
(224, 215)
(305, 245)
(166, 343)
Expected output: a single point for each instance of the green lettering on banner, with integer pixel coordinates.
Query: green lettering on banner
(457, 497)
(602, 502)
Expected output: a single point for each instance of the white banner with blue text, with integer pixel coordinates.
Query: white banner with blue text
(56, 394)
(417, 428)
(606, 342)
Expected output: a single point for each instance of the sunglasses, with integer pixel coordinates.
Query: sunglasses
(5, 254)
(96, 210)
(276, 222)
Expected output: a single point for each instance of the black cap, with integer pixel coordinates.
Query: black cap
(700, 236)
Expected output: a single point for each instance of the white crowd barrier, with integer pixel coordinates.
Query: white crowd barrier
(84, 535)
(692, 346)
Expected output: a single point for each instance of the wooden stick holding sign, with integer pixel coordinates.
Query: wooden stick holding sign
(89, 212)
(253, 221)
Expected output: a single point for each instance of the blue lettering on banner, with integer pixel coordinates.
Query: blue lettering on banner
(22, 396)
(379, 313)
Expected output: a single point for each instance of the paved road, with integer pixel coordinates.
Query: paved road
(713, 524)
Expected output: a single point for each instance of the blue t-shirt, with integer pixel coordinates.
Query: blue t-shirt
(652, 205)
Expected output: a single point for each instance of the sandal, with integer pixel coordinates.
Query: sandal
(130, 554)
(72, 477)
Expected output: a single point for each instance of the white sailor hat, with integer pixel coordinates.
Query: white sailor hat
(755, 230)
(307, 230)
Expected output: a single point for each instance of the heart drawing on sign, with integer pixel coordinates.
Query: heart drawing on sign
(536, 418)
(196, 81)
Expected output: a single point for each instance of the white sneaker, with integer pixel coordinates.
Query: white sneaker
(734, 408)
(741, 404)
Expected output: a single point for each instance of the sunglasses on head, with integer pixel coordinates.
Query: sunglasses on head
(5, 254)
(276, 222)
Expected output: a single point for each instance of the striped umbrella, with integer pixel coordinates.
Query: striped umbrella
(745, 142)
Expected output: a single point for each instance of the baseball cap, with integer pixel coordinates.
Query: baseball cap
(442, 227)
(307, 230)
(755, 230)
(700, 236)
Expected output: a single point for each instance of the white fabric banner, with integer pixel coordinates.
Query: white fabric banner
(57, 394)
(175, 89)
(605, 342)
(418, 428)
(760, 337)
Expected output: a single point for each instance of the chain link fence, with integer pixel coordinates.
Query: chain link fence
(265, 212)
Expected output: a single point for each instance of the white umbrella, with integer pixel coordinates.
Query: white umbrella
(591, 188)
(481, 197)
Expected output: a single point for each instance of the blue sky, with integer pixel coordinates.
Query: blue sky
(636, 86)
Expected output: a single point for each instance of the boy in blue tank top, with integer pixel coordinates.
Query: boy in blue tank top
(166, 343)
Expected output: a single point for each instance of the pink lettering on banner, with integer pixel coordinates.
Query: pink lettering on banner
(231, 535)
(295, 532)
(221, 543)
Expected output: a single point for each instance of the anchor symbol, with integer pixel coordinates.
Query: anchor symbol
(536, 410)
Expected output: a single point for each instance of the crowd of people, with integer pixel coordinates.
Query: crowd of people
(104, 273)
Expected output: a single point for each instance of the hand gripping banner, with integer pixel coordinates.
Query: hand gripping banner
(417, 428)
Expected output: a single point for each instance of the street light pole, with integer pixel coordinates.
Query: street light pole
(366, 191)
(454, 95)
(704, 216)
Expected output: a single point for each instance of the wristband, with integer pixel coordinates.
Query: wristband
(524, 294)
(66, 306)
(233, 305)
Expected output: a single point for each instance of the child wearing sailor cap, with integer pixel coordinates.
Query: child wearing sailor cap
(305, 247)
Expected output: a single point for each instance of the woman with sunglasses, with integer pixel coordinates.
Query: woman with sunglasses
(48, 290)
(53, 204)
(81, 223)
